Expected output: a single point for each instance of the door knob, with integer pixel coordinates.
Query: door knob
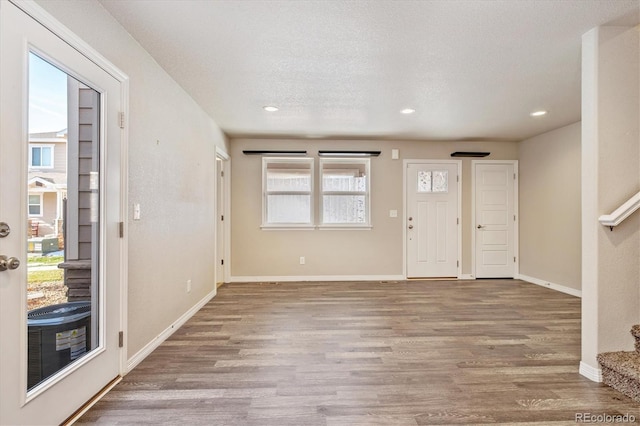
(480, 226)
(410, 226)
(4, 229)
(14, 263)
(410, 218)
(8, 263)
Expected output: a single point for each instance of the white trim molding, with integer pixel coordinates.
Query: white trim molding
(315, 278)
(591, 373)
(621, 213)
(165, 334)
(33, 9)
(553, 286)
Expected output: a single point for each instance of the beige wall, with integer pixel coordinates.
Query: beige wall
(171, 175)
(60, 157)
(258, 253)
(610, 176)
(550, 210)
(49, 208)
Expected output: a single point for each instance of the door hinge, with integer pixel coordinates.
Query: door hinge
(457, 178)
(222, 261)
(121, 229)
(514, 217)
(457, 221)
(121, 339)
(514, 259)
(222, 218)
(222, 173)
(457, 263)
(514, 176)
(121, 119)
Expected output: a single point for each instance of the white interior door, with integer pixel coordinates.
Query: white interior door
(220, 212)
(56, 357)
(495, 218)
(432, 219)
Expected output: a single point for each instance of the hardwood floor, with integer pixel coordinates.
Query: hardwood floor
(368, 353)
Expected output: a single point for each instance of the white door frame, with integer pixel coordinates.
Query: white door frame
(41, 16)
(516, 225)
(221, 154)
(405, 165)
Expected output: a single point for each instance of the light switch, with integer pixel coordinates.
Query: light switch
(136, 211)
(395, 154)
(393, 213)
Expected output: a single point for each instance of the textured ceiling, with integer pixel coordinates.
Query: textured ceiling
(470, 69)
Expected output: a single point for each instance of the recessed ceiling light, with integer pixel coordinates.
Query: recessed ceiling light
(538, 113)
(408, 111)
(270, 108)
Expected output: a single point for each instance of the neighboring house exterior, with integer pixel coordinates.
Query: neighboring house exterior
(47, 182)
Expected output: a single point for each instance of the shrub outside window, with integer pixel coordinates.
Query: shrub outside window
(287, 186)
(344, 197)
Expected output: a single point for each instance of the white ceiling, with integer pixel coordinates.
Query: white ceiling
(472, 69)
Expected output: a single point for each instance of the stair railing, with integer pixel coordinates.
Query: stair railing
(621, 213)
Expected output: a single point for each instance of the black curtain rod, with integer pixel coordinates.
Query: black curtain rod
(272, 152)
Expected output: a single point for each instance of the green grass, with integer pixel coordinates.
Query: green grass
(35, 277)
(46, 260)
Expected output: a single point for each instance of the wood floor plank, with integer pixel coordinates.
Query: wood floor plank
(368, 353)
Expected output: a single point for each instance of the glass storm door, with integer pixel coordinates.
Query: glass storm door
(59, 216)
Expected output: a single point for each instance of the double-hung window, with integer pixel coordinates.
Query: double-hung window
(287, 192)
(35, 204)
(344, 198)
(41, 156)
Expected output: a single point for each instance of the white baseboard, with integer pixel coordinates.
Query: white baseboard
(157, 341)
(553, 286)
(466, 277)
(591, 373)
(290, 278)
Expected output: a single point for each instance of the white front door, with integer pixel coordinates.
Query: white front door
(495, 219)
(432, 219)
(60, 290)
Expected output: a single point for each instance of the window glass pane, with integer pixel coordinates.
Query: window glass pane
(46, 157)
(344, 177)
(35, 157)
(67, 225)
(289, 208)
(344, 209)
(281, 179)
(424, 181)
(440, 181)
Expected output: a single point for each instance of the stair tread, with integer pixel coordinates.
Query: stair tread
(635, 330)
(625, 363)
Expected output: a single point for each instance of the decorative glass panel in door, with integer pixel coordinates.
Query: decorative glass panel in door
(63, 214)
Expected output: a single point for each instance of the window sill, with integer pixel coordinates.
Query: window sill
(345, 227)
(287, 227)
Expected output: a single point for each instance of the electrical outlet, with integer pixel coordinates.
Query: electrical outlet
(188, 286)
(302, 260)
